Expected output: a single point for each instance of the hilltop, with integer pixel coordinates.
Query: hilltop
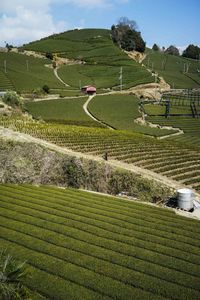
(83, 57)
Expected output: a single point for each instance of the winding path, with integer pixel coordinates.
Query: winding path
(55, 70)
(85, 108)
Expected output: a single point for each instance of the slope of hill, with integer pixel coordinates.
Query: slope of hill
(84, 246)
(25, 73)
(171, 68)
(102, 57)
(64, 111)
(120, 112)
(129, 147)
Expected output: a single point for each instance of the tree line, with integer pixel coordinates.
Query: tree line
(125, 34)
(191, 51)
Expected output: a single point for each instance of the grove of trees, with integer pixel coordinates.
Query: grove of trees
(126, 36)
(192, 52)
(172, 50)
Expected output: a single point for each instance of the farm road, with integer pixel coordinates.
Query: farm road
(55, 70)
(85, 108)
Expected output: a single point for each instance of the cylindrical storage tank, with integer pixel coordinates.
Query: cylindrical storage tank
(185, 199)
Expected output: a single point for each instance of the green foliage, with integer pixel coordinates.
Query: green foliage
(155, 47)
(46, 89)
(5, 82)
(125, 146)
(120, 111)
(87, 246)
(96, 49)
(125, 35)
(11, 98)
(11, 275)
(171, 68)
(20, 78)
(95, 75)
(172, 50)
(67, 111)
(189, 125)
(49, 55)
(192, 52)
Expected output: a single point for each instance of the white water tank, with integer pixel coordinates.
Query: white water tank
(185, 199)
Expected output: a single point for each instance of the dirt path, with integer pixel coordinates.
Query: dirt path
(85, 108)
(55, 70)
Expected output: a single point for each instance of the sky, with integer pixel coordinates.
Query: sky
(164, 22)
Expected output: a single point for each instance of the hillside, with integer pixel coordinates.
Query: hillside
(25, 73)
(89, 180)
(90, 54)
(171, 68)
(95, 48)
(86, 246)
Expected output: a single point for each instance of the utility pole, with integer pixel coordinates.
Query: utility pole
(27, 66)
(5, 66)
(184, 68)
(148, 62)
(187, 67)
(163, 64)
(121, 78)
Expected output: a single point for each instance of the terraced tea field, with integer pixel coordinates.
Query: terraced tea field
(95, 75)
(167, 158)
(5, 83)
(100, 55)
(64, 111)
(190, 126)
(171, 67)
(84, 246)
(25, 73)
(120, 111)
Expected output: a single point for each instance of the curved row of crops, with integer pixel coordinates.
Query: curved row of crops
(189, 125)
(167, 158)
(84, 246)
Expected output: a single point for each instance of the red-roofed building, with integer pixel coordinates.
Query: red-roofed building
(88, 89)
(91, 90)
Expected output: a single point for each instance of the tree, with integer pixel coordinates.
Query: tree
(11, 98)
(49, 55)
(45, 88)
(124, 21)
(192, 52)
(172, 50)
(155, 47)
(125, 35)
(9, 47)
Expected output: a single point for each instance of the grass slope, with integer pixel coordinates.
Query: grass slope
(19, 78)
(119, 111)
(84, 246)
(65, 111)
(95, 47)
(189, 125)
(173, 72)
